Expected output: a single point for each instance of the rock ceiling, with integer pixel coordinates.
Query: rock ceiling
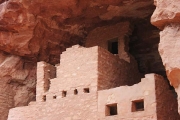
(42, 29)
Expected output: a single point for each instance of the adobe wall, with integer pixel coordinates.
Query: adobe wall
(124, 96)
(77, 107)
(6, 99)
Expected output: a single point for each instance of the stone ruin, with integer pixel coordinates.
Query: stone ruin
(98, 82)
(89, 89)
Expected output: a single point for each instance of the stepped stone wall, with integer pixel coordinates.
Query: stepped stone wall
(88, 87)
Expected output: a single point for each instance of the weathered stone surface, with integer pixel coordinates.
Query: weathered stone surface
(166, 12)
(170, 53)
(167, 17)
(17, 83)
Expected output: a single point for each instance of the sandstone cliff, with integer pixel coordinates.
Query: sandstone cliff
(167, 17)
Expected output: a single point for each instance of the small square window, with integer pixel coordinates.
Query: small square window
(111, 109)
(137, 105)
(64, 93)
(86, 90)
(54, 97)
(75, 92)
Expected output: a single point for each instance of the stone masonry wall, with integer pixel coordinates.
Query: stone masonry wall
(78, 69)
(124, 96)
(159, 102)
(77, 107)
(45, 72)
(127, 67)
(114, 72)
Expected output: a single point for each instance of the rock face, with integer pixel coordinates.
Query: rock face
(17, 81)
(167, 17)
(41, 30)
(166, 12)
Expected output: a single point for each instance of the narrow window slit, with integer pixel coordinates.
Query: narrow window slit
(75, 92)
(64, 93)
(44, 98)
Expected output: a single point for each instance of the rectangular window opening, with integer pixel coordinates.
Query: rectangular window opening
(46, 85)
(86, 90)
(137, 105)
(64, 93)
(111, 109)
(113, 46)
(54, 97)
(44, 98)
(75, 92)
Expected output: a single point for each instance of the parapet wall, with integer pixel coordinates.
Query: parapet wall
(120, 103)
(124, 96)
(77, 107)
(152, 92)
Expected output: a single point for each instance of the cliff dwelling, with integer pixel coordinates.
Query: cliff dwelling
(89, 60)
